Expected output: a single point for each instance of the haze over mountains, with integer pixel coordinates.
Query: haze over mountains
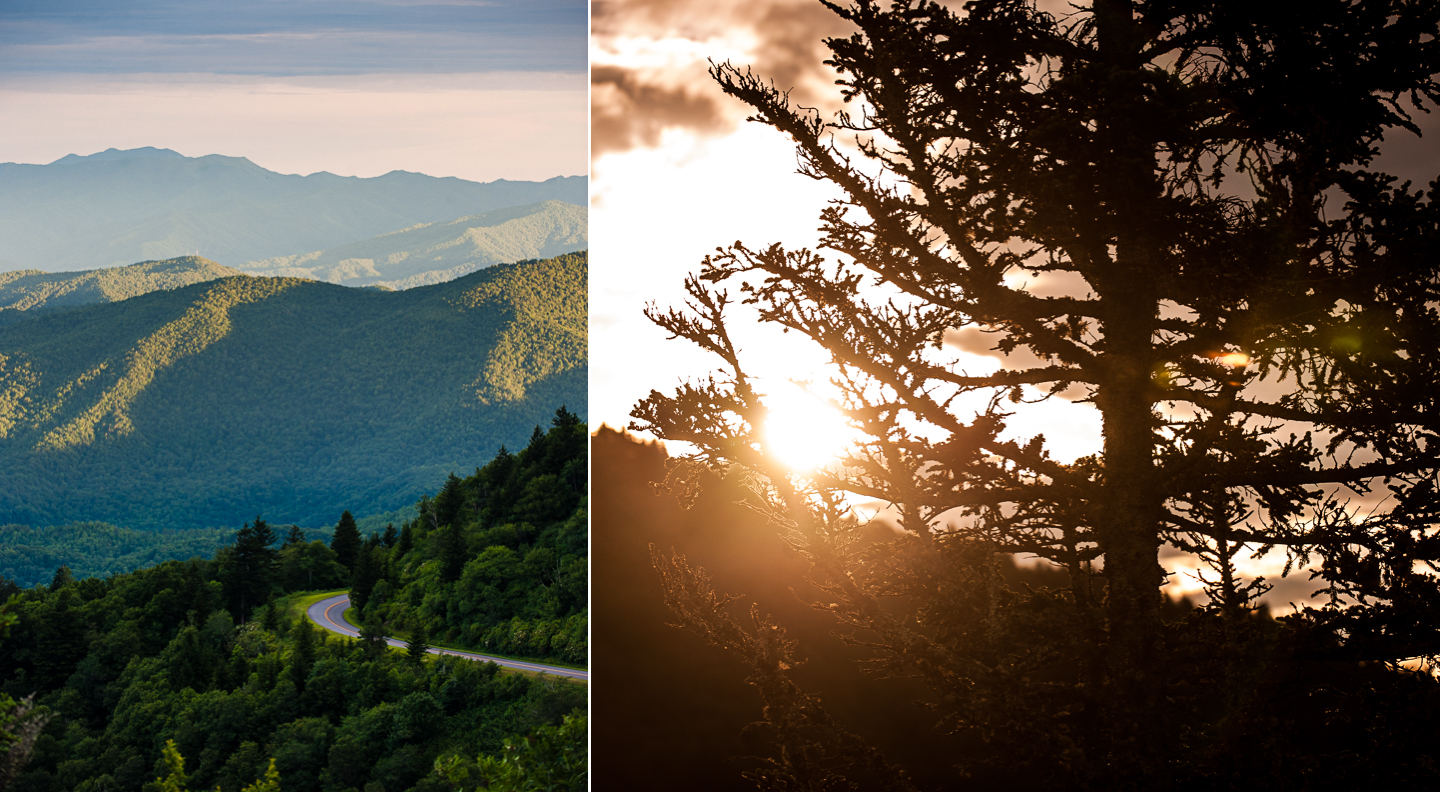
(122, 207)
(207, 404)
(437, 252)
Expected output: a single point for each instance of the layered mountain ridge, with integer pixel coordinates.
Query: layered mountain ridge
(436, 252)
(119, 207)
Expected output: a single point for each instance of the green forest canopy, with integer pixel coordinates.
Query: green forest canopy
(201, 406)
(203, 661)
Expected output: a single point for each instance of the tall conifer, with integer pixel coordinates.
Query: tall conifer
(346, 542)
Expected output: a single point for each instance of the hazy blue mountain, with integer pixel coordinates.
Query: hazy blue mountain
(118, 154)
(207, 404)
(119, 207)
(25, 293)
(437, 252)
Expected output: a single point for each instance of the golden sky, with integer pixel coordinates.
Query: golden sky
(677, 172)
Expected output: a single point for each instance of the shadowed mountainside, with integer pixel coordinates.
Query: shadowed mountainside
(119, 207)
(296, 399)
(437, 252)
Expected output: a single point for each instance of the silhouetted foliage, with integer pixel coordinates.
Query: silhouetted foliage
(1166, 210)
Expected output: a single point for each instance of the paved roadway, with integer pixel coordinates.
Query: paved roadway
(328, 613)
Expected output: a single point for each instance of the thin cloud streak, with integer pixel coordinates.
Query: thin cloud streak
(301, 37)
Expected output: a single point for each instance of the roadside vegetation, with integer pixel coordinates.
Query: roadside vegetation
(205, 674)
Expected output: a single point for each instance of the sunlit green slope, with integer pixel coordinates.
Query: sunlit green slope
(26, 292)
(210, 403)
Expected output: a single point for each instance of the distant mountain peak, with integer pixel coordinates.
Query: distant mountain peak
(146, 152)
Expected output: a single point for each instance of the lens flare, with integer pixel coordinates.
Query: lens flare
(1236, 359)
(803, 432)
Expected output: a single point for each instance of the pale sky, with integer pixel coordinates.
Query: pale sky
(480, 91)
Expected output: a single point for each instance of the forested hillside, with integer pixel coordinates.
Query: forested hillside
(126, 664)
(28, 293)
(212, 658)
(206, 404)
(495, 561)
(30, 556)
(119, 207)
(437, 252)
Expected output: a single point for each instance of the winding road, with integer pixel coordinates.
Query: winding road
(328, 613)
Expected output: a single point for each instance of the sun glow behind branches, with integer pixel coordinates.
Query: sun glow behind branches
(804, 432)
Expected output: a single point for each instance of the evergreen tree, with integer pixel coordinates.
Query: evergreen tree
(449, 502)
(252, 565)
(452, 553)
(372, 638)
(60, 638)
(1166, 210)
(62, 578)
(416, 648)
(407, 539)
(390, 536)
(294, 536)
(367, 574)
(302, 658)
(346, 541)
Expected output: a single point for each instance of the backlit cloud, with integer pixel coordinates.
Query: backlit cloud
(643, 83)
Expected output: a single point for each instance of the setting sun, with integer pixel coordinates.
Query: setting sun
(803, 432)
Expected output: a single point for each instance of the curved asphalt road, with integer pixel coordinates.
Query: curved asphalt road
(328, 614)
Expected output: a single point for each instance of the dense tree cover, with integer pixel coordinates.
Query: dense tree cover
(495, 561)
(20, 723)
(127, 664)
(30, 556)
(202, 405)
(553, 758)
(1173, 211)
(25, 294)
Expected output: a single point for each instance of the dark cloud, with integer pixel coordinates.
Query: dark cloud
(632, 106)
